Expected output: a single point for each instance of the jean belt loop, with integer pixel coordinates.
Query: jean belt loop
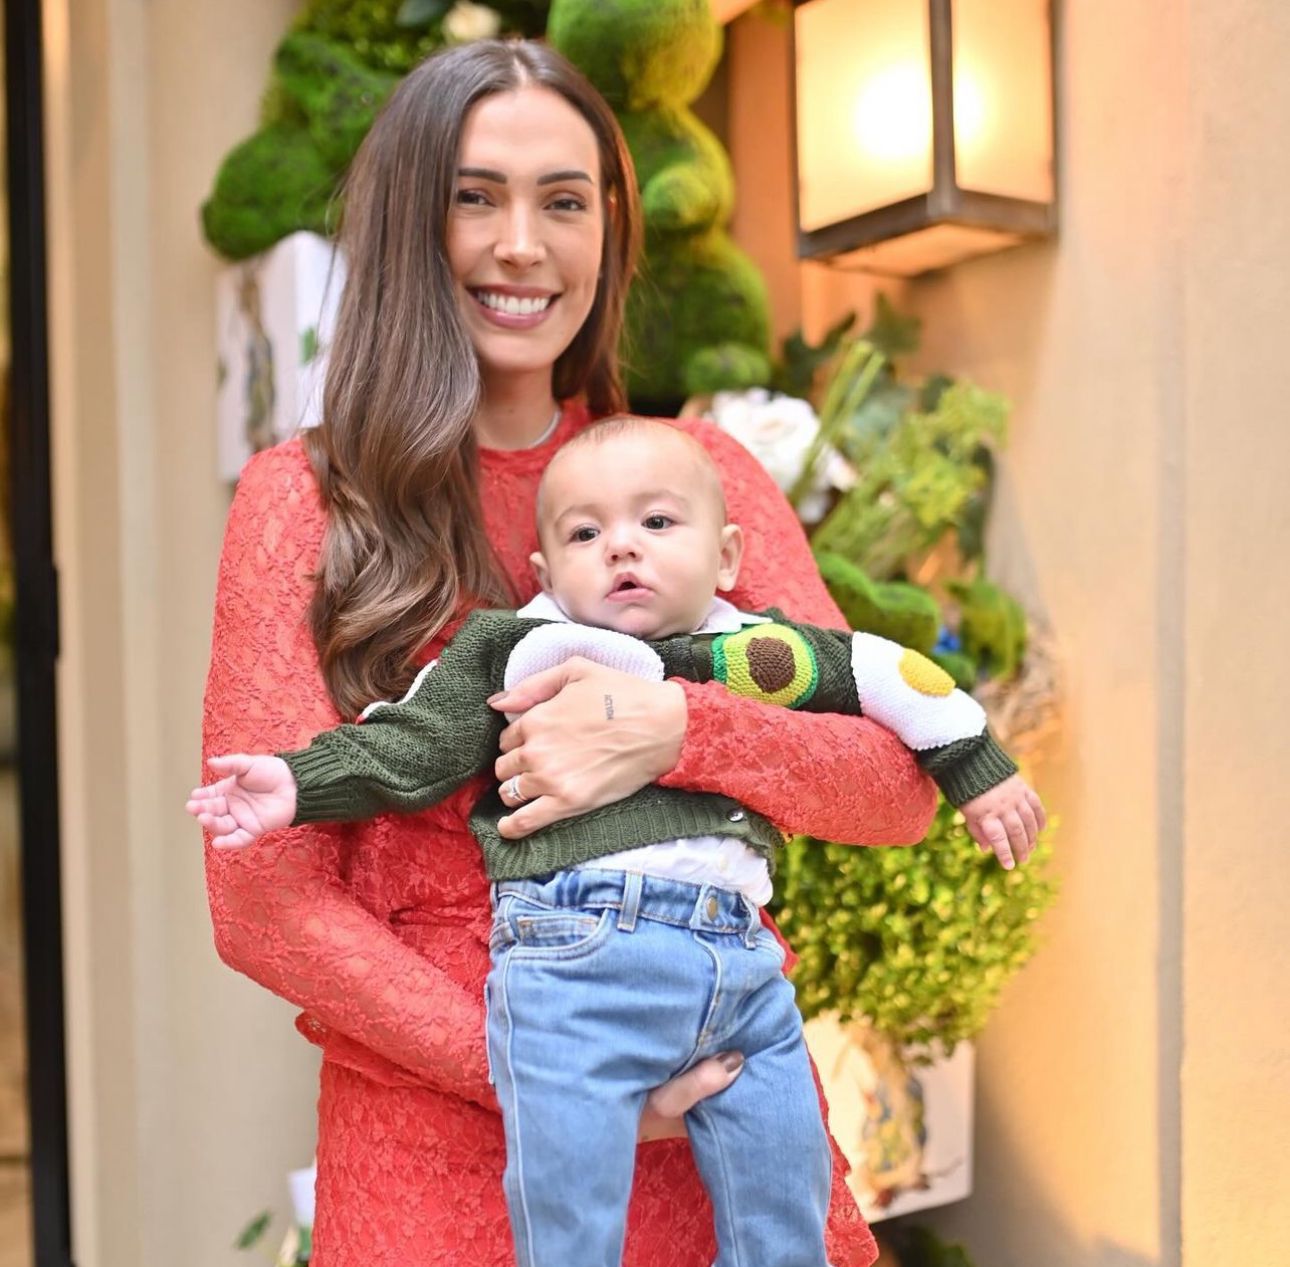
(754, 920)
(632, 881)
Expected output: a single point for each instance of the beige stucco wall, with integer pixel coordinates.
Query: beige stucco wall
(1236, 608)
(191, 1094)
(1134, 1091)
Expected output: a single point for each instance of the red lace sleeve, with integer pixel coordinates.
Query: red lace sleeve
(280, 911)
(844, 779)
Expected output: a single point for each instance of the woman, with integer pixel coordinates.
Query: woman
(490, 229)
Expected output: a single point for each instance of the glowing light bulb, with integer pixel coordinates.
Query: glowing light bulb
(892, 117)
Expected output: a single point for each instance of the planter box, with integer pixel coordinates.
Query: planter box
(274, 318)
(907, 1132)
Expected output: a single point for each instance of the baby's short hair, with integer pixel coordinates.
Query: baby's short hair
(609, 429)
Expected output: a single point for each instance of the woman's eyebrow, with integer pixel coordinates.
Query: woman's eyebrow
(499, 178)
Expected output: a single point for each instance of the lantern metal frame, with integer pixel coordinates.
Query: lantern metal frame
(946, 203)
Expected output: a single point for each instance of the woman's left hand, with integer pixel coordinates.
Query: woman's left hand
(586, 736)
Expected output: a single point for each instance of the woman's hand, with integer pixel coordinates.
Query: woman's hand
(666, 1106)
(587, 736)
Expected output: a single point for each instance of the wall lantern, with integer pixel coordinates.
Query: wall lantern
(924, 130)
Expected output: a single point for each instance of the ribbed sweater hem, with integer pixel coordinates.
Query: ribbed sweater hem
(644, 819)
(324, 786)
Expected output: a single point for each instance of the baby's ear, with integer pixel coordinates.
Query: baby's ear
(538, 559)
(732, 553)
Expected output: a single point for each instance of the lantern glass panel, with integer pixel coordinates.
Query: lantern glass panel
(1003, 98)
(864, 107)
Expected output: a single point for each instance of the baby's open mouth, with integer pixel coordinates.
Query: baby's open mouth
(628, 588)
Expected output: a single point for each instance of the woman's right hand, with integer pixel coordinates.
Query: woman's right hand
(666, 1106)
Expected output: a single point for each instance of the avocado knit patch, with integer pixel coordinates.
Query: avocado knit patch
(772, 663)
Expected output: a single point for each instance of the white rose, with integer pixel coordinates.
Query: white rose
(778, 431)
(465, 22)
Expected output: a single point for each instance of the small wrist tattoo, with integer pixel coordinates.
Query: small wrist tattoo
(609, 708)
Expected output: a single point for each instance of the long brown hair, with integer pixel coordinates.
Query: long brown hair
(395, 456)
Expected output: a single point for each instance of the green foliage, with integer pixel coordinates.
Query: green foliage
(800, 362)
(254, 1231)
(414, 13)
(892, 333)
(992, 626)
(892, 609)
(239, 220)
(916, 479)
(921, 1247)
(919, 940)
(336, 93)
(372, 32)
(724, 367)
(640, 54)
(962, 668)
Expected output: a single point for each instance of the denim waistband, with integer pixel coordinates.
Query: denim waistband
(635, 896)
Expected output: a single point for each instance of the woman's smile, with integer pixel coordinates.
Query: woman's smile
(514, 307)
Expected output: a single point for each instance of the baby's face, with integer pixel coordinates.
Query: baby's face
(633, 534)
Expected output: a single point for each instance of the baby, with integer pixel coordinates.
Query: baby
(627, 944)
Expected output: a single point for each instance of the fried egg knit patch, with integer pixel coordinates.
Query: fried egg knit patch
(910, 695)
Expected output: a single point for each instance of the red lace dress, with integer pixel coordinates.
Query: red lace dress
(378, 930)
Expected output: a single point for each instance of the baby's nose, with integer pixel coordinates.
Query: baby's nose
(622, 546)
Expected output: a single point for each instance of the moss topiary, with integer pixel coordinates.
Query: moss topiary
(371, 32)
(283, 178)
(336, 94)
(239, 220)
(698, 318)
(992, 626)
(920, 941)
(892, 609)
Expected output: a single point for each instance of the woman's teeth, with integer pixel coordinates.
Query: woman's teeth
(511, 305)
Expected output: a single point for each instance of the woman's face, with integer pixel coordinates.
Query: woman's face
(526, 230)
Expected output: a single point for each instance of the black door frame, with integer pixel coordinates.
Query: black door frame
(36, 635)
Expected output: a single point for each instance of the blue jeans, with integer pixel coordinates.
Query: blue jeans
(605, 984)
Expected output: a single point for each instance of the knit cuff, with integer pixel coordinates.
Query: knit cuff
(324, 791)
(969, 767)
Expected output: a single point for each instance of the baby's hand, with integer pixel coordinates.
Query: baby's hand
(1006, 820)
(256, 794)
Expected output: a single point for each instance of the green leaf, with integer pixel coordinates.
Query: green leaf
(801, 361)
(414, 13)
(893, 335)
(254, 1230)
